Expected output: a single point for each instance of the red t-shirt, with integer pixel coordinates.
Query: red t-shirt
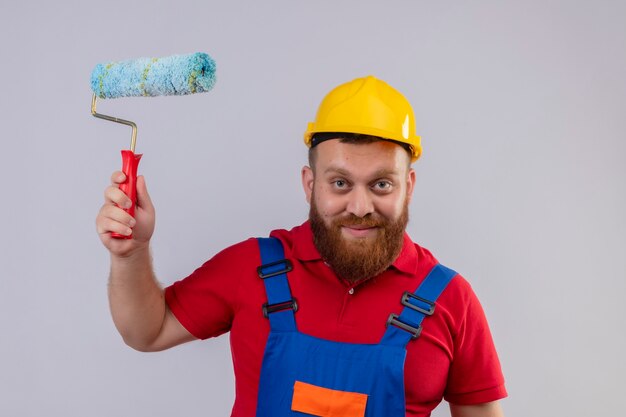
(454, 357)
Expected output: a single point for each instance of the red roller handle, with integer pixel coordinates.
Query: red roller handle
(130, 162)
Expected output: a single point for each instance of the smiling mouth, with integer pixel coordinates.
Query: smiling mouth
(359, 231)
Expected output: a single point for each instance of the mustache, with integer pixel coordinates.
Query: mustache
(365, 221)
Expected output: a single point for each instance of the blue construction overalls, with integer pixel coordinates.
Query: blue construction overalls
(303, 375)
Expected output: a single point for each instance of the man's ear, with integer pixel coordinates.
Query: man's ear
(410, 184)
(307, 182)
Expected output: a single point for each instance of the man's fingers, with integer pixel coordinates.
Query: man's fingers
(117, 214)
(118, 177)
(143, 198)
(114, 219)
(114, 195)
(105, 225)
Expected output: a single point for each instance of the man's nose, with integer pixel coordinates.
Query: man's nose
(360, 202)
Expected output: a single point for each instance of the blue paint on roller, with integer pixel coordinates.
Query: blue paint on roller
(172, 75)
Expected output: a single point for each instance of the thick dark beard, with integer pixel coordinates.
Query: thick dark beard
(358, 260)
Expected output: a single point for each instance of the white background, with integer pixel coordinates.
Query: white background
(521, 186)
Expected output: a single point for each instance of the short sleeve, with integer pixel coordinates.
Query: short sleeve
(475, 374)
(205, 302)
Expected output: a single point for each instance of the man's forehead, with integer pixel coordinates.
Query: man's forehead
(380, 156)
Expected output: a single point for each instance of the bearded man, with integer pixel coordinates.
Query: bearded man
(343, 315)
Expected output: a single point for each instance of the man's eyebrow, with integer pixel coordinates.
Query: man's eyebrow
(378, 174)
(386, 173)
(336, 170)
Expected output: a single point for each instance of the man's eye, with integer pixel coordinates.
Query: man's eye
(340, 183)
(382, 185)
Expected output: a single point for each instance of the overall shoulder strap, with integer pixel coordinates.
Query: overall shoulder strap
(408, 325)
(280, 305)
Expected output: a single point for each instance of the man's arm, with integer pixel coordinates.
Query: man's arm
(136, 300)
(491, 409)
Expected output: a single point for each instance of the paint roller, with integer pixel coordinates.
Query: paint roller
(148, 77)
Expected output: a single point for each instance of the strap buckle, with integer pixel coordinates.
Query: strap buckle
(285, 305)
(395, 321)
(407, 296)
(269, 270)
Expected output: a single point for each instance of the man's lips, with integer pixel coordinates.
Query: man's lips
(359, 230)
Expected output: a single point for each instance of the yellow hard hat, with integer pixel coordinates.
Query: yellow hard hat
(367, 106)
